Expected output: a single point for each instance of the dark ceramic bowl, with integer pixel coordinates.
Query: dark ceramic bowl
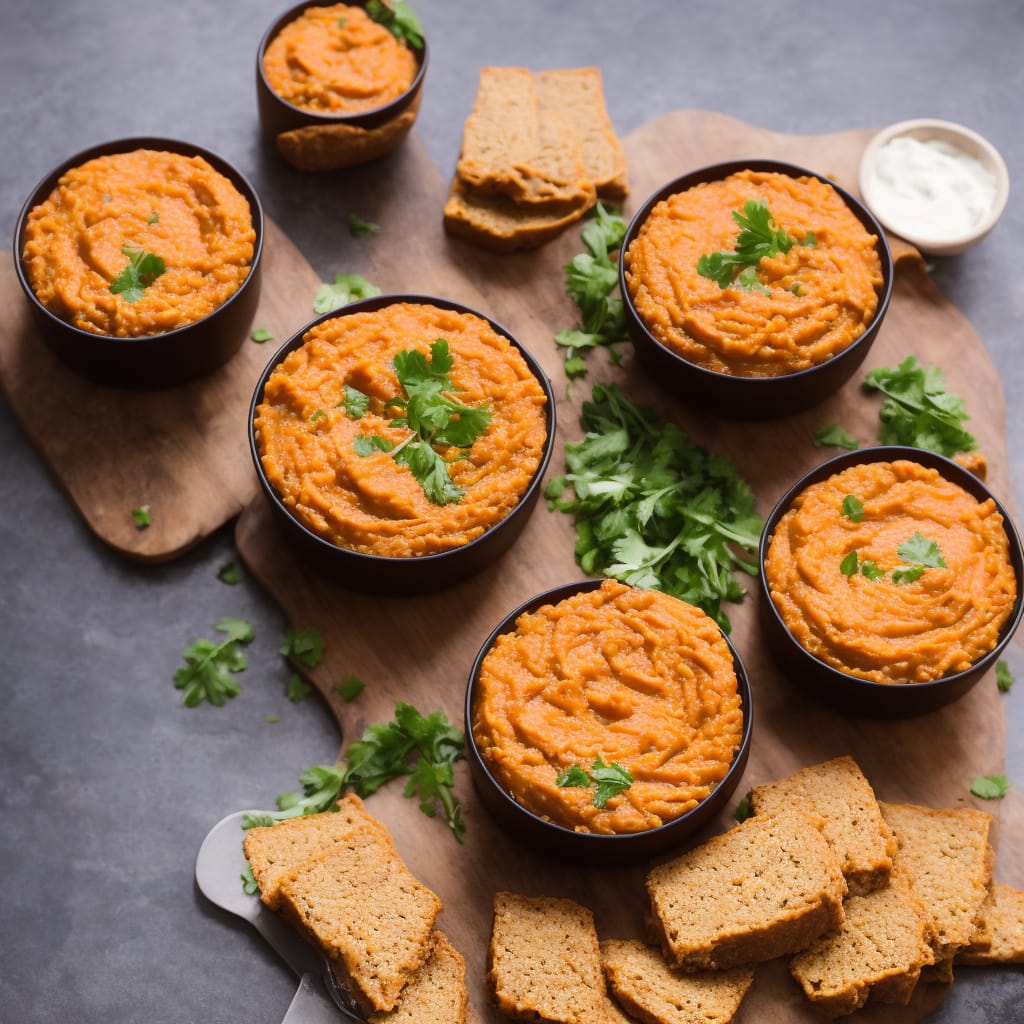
(592, 848)
(737, 397)
(851, 694)
(155, 360)
(277, 115)
(419, 574)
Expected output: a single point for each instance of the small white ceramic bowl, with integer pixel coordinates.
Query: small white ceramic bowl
(877, 194)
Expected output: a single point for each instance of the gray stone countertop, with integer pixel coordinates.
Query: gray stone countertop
(109, 784)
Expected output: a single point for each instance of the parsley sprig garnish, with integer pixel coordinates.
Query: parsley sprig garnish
(434, 417)
(759, 237)
(917, 552)
(345, 288)
(655, 510)
(399, 19)
(422, 748)
(918, 411)
(209, 670)
(608, 779)
(142, 270)
(590, 279)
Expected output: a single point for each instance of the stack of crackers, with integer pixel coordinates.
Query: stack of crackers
(538, 150)
(339, 879)
(866, 899)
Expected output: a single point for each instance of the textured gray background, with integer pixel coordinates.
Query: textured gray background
(109, 784)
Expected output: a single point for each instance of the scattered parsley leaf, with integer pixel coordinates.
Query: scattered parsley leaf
(399, 19)
(210, 668)
(260, 335)
(142, 517)
(434, 417)
(870, 570)
(230, 573)
(273, 719)
(366, 444)
(1004, 677)
(611, 780)
(322, 784)
(357, 227)
(304, 647)
(919, 550)
(653, 509)
(831, 435)
(574, 775)
(990, 787)
(249, 886)
(744, 810)
(344, 289)
(918, 411)
(590, 279)
(853, 508)
(356, 403)
(298, 689)
(142, 270)
(153, 218)
(350, 688)
(759, 237)
(849, 565)
(317, 414)
(900, 576)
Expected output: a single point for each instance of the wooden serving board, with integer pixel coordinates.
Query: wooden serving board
(420, 649)
(183, 451)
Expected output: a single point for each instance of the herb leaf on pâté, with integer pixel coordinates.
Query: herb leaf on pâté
(653, 509)
(918, 411)
(399, 19)
(142, 270)
(210, 668)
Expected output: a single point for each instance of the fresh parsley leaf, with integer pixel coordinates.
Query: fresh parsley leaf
(919, 550)
(142, 270)
(431, 471)
(273, 719)
(153, 218)
(261, 335)
(356, 403)
(357, 227)
(210, 668)
(1004, 677)
(870, 570)
(344, 289)
(853, 508)
(366, 444)
(399, 19)
(744, 809)
(230, 573)
(574, 775)
(304, 647)
(611, 780)
(590, 279)
(142, 517)
(298, 689)
(653, 509)
(918, 411)
(249, 886)
(317, 414)
(907, 575)
(350, 688)
(849, 565)
(322, 784)
(990, 787)
(759, 237)
(831, 435)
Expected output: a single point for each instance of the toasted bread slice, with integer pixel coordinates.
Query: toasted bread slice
(838, 792)
(1003, 917)
(435, 993)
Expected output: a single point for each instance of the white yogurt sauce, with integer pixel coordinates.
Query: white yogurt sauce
(930, 189)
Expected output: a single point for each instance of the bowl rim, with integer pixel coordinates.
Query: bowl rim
(953, 472)
(114, 147)
(379, 114)
(716, 172)
(976, 145)
(562, 832)
(368, 305)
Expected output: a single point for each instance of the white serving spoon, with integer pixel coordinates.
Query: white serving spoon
(219, 867)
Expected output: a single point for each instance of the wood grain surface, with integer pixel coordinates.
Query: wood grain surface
(420, 649)
(183, 451)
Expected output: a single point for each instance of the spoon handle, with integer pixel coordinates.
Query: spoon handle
(311, 1004)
